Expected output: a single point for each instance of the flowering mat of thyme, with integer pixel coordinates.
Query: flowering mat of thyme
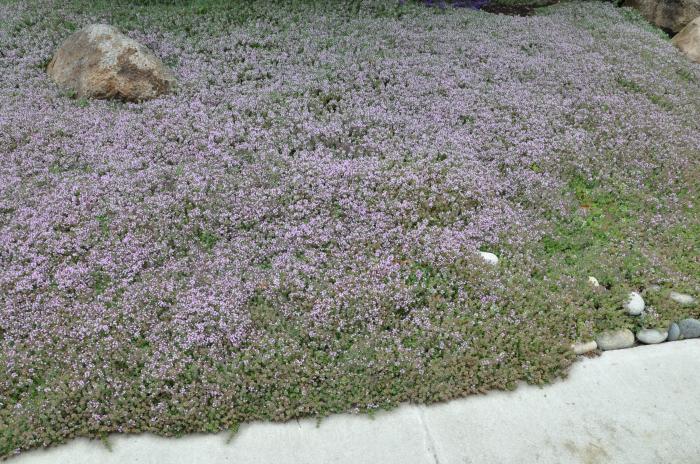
(295, 231)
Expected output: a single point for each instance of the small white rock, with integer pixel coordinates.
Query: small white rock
(584, 347)
(489, 257)
(593, 281)
(682, 298)
(635, 304)
(652, 336)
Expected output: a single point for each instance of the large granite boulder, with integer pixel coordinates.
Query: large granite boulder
(98, 61)
(672, 15)
(688, 40)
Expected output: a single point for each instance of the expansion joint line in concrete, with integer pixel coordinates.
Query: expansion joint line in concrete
(432, 450)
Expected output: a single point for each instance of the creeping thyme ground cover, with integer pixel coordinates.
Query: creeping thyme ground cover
(295, 231)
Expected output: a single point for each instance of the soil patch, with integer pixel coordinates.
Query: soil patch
(515, 10)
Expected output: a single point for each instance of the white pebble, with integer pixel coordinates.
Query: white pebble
(593, 281)
(489, 257)
(682, 298)
(635, 304)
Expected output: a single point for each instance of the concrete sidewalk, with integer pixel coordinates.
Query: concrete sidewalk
(639, 405)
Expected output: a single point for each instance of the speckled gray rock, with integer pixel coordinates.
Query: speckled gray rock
(615, 339)
(690, 328)
(674, 332)
(652, 336)
(98, 61)
(634, 304)
(584, 347)
(682, 298)
(668, 14)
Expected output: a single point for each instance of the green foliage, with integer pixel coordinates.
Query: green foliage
(206, 238)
